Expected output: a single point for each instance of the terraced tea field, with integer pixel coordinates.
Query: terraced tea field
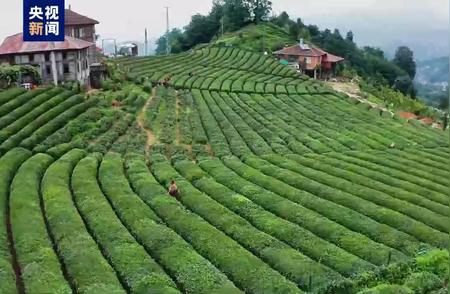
(285, 185)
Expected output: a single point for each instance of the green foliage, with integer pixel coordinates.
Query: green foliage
(85, 264)
(40, 266)
(129, 259)
(264, 36)
(10, 75)
(404, 58)
(423, 282)
(9, 163)
(388, 289)
(396, 100)
(10, 94)
(435, 261)
(222, 251)
(194, 273)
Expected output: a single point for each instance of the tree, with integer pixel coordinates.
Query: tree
(349, 36)
(176, 42)
(282, 20)
(259, 9)
(294, 31)
(236, 14)
(201, 29)
(404, 58)
(405, 85)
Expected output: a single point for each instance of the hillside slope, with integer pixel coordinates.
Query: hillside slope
(284, 186)
(265, 36)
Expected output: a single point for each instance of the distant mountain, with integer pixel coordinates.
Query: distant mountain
(426, 45)
(433, 71)
(432, 80)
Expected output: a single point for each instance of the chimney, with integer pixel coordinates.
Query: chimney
(70, 7)
(301, 43)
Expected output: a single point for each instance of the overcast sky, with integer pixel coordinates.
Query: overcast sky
(418, 23)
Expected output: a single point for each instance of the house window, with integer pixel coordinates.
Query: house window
(72, 32)
(47, 56)
(64, 55)
(31, 58)
(66, 68)
(48, 69)
(308, 60)
(81, 33)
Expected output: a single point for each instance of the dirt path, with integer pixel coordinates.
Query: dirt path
(151, 138)
(353, 91)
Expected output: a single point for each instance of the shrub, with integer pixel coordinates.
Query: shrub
(9, 163)
(85, 264)
(40, 266)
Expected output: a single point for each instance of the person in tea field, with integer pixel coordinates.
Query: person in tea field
(173, 189)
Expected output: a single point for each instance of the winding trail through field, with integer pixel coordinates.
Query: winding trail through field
(151, 138)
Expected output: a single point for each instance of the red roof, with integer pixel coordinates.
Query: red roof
(332, 58)
(312, 51)
(15, 44)
(407, 115)
(72, 18)
(296, 50)
(427, 120)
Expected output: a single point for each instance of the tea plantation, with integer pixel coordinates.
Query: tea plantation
(285, 185)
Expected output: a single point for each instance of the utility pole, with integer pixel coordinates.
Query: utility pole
(146, 42)
(167, 32)
(221, 22)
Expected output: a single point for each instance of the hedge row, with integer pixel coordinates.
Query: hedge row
(250, 106)
(234, 139)
(379, 193)
(254, 141)
(168, 123)
(215, 135)
(29, 127)
(177, 257)
(21, 99)
(242, 267)
(273, 140)
(35, 106)
(299, 142)
(134, 266)
(19, 121)
(86, 267)
(318, 104)
(354, 243)
(187, 71)
(40, 268)
(185, 105)
(426, 158)
(56, 123)
(104, 142)
(379, 213)
(294, 235)
(382, 181)
(397, 167)
(9, 164)
(198, 132)
(151, 113)
(334, 212)
(332, 128)
(333, 135)
(275, 253)
(10, 94)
